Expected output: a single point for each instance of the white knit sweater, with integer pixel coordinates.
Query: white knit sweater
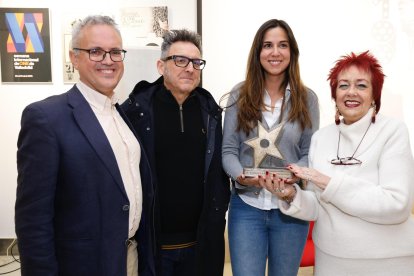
(365, 211)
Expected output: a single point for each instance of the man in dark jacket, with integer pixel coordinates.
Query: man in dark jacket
(180, 127)
(81, 169)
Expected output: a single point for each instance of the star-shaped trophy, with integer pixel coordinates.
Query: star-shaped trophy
(265, 144)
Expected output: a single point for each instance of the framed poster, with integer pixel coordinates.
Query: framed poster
(70, 74)
(25, 45)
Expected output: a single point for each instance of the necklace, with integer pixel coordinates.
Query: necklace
(270, 106)
(348, 160)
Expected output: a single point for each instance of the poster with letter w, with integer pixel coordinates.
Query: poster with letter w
(25, 45)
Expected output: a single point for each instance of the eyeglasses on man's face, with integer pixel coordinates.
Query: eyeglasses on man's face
(346, 161)
(97, 54)
(182, 61)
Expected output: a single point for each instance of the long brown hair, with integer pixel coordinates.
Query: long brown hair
(250, 103)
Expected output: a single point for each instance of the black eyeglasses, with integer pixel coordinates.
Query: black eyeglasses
(182, 61)
(346, 161)
(97, 54)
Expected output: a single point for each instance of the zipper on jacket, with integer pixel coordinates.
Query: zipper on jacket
(181, 118)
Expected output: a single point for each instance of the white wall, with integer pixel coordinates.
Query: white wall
(325, 30)
(14, 97)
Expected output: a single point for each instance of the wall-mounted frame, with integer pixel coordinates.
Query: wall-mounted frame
(25, 45)
(139, 26)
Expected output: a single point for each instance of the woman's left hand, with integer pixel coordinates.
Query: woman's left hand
(309, 174)
(291, 180)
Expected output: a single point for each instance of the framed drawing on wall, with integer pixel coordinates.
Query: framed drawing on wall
(141, 28)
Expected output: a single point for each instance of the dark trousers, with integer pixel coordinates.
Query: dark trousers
(179, 262)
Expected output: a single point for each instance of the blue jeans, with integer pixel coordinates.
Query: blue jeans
(256, 235)
(179, 262)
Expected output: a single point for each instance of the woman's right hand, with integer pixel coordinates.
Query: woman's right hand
(248, 181)
(278, 187)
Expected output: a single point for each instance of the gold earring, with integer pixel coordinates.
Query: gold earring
(337, 120)
(374, 112)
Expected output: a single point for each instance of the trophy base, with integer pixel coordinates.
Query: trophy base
(255, 172)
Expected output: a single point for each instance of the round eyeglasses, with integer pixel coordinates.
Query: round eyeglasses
(97, 54)
(182, 61)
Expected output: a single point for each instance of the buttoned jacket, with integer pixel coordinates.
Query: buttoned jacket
(72, 209)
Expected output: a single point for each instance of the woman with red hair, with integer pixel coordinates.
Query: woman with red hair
(360, 180)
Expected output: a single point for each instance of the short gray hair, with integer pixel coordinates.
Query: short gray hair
(90, 20)
(173, 36)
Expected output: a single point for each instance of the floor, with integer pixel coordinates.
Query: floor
(306, 271)
(8, 264)
(303, 271)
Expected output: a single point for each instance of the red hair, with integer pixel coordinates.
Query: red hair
(365, 62)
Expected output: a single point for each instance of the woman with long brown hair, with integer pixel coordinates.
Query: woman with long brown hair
(272, 98)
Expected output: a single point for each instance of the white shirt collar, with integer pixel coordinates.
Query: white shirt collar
(96, 99)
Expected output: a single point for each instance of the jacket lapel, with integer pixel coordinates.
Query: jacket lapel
(121, 112)
(89, 125)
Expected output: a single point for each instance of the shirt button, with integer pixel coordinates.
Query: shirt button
(148, 128)
(141, 114)
(125, 207)
(127, 242)
(209, 151)
(256, 193)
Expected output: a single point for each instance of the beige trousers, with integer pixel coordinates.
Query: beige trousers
(132, 259)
